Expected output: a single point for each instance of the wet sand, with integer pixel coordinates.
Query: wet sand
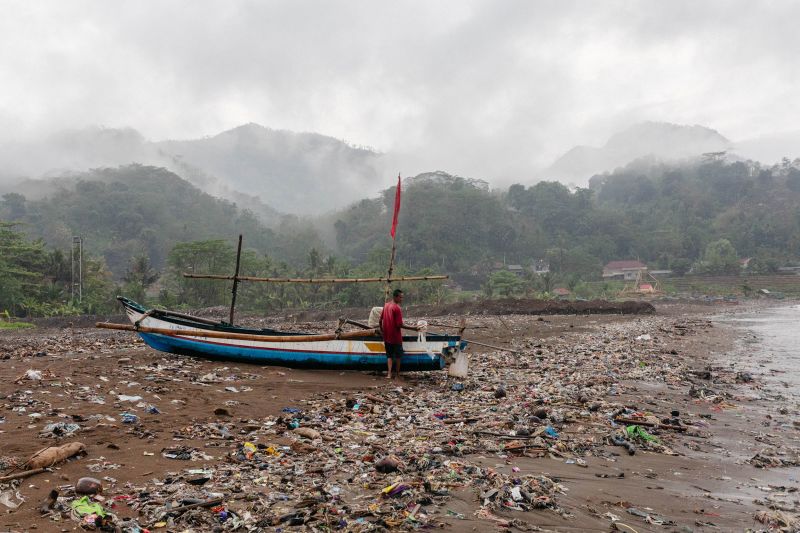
(707, 486)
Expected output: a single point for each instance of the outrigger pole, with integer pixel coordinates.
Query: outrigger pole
(316, 280)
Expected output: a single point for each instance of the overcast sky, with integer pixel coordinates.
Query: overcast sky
(490, 89)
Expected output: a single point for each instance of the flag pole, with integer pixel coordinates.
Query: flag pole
(393, 233)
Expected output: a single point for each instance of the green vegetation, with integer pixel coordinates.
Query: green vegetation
(15, 325)
(138, 210)
(35, 281)
(672, 217)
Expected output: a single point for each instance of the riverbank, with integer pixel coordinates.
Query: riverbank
(542, 422)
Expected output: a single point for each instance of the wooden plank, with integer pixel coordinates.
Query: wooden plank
(21, 475)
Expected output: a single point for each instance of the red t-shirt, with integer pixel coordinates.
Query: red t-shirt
(391, 320)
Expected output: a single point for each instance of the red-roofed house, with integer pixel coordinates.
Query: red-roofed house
(627, 270)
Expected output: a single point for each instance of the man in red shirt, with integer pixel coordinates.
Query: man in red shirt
(392, 331)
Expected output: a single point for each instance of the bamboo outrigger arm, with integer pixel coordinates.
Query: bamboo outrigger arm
(316, 280)
(240, 336)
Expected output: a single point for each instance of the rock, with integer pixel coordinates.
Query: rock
(390, 463)
(308, 433)
(540, 413)
(88, 485)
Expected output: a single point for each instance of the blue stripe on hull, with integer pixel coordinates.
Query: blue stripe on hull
(293, 359)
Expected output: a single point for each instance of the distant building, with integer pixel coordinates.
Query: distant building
(661, 273)
(541, 266)
(624, 270)
(646, 288)
(561, 292)
(516, 269)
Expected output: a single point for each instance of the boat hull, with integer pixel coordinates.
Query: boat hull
(353, 354)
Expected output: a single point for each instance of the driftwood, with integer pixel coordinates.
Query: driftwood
(469, 420)
(524, 448)
(54, 455)
(377, 399)
(240, 336)
(22, 475)
(182, 508)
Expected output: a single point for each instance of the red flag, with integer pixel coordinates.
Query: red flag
(396, 208)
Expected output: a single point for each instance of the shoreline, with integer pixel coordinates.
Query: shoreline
(579, 369)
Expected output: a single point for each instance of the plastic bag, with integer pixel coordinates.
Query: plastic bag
(374, 320)
(460, 367)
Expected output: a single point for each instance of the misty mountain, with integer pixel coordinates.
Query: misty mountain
(263, 169)
(659, 140)
(295, 172)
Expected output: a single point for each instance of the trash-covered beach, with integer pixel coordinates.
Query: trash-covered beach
(623, 422)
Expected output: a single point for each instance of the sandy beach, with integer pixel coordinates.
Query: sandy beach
(460, 453)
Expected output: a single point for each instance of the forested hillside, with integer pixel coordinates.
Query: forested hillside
(145, 225)
(139, 210)
(663, 214)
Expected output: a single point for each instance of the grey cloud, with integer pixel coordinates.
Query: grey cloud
(481, 88)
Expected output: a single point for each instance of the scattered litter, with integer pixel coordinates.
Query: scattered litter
(126, 398)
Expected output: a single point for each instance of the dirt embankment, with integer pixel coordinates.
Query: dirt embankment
(78, 321)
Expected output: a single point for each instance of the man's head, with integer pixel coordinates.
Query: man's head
(397, 296)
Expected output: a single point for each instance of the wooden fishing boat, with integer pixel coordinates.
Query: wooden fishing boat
(179, 333)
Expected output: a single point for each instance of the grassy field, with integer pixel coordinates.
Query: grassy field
(15, 325)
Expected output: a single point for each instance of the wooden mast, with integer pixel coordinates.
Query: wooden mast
(235, 279)
(393, 233)
(391, 269)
